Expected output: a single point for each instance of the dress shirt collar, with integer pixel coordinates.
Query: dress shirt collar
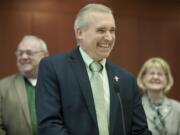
(88, 60)
(33, 82)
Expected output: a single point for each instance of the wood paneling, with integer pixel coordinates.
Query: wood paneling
(144, 29)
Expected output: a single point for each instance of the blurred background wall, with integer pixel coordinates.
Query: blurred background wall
(144, 29)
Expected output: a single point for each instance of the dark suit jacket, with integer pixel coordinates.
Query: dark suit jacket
(65, 103)
(14, 109)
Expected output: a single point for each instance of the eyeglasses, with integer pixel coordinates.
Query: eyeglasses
(27, 52)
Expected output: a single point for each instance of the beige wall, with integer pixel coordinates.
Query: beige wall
(144, 30)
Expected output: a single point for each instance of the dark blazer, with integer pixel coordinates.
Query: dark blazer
(14, 110)
(65, 105)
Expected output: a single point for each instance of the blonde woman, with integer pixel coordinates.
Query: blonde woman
(163, 114)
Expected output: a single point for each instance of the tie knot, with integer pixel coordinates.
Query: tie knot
(96, 67)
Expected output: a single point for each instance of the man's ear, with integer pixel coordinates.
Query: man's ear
(78, 33)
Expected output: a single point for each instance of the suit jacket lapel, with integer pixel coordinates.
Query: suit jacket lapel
(165, 109)
(80, 71)
(114, 101)
(22, 95)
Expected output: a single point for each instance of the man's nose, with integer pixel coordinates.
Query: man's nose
(24, 55)
(108, 36)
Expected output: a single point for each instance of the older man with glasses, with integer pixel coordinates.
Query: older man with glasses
(17, 92)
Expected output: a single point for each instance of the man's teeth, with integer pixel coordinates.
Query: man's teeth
(104, 45)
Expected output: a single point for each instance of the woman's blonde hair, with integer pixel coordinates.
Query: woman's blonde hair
(155, 61)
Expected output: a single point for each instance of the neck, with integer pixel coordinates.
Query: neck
(155, 96)
(30, 76)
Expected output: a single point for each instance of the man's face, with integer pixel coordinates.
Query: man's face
(98, 38)
(28, 57)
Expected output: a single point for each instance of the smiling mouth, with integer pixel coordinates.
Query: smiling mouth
(104, 45)
(157, 82)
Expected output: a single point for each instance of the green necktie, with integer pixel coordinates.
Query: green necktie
(99, 100)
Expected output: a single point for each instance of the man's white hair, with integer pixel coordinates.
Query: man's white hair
(82, 20)
(41, 43)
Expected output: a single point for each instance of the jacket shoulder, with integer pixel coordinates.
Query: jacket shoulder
(57, 57)
(7, 81)
(119, 70)
(8, 78)
(175, 104)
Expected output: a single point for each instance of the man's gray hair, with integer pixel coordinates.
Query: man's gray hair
(41, 43)
(82, 20)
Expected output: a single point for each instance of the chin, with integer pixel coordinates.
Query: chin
(156, 89)
(105, 55)
(26, 70)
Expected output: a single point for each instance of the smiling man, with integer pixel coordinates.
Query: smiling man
(17, 92)
(81, 93)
